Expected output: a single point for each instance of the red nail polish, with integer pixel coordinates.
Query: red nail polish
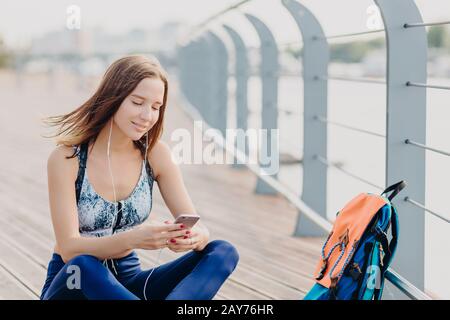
(182, 226)
(185, 237)
(187, 232)
(173, 240)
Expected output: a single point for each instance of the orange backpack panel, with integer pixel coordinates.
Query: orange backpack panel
(350, 224)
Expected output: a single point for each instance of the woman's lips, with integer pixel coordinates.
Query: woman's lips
(139, 128)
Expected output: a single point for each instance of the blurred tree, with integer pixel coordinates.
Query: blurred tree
(354, 52)
(5, 56)
(295, 52)
(349, 52)
(438, 37)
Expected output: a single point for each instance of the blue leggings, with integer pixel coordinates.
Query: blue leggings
(197, 275)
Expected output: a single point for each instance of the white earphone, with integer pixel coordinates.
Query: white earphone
(115, 198)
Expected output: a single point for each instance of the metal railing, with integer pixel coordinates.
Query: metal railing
(196, 61)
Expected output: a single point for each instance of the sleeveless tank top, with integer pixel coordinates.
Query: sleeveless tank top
(99, 217)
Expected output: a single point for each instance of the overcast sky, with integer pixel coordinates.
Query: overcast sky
(20, 20)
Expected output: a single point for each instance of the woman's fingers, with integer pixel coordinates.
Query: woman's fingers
(180, 245)
(157, 236)
(175, 248)
(169, 227)
(156, 244)
(186, 243)
(163, 243)
(175, 234)
(175, 237)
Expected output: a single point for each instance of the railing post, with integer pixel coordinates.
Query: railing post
(315, 66)
(406, 119)
(269, 76)
(182, 66)
(185, 72)
(241, 73)
(198, 78)
(202, 80)
(191, 71)
(219, 84)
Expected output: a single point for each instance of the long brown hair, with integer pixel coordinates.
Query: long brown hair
(84, 123)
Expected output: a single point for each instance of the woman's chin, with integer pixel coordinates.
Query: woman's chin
(136, 135)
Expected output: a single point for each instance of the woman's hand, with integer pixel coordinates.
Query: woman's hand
(194, 239)
(151, 237)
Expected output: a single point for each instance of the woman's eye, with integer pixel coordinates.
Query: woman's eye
(138, 104)
(157, 109)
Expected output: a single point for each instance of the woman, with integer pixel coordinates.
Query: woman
(97, 208)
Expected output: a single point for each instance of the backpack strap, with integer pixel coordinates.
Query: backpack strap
(393, 244)
(389, 250)
(395, 188)
(82, 157)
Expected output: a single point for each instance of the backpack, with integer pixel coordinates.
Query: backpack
(357, 252)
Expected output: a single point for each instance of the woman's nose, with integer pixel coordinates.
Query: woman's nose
(147, 114)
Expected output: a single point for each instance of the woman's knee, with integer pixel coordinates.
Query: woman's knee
(83, 261)
(224, 251)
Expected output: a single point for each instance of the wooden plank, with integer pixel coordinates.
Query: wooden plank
(12, 288)
(234, 291)
(20, 266)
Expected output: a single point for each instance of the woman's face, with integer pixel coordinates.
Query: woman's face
(139, 111)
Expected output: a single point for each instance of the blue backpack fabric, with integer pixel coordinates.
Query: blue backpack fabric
(363, 273)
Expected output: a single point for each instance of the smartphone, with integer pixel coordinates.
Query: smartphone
(189, 220)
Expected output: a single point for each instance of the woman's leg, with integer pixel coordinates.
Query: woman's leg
(85, 277)
(194, 276)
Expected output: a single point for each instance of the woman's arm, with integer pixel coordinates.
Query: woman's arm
(172, 188)
(62, 174)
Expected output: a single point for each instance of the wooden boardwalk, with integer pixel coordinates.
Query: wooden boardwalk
(273, 264)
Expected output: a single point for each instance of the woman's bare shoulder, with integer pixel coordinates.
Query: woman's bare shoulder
(59, 160)
(159, 156)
